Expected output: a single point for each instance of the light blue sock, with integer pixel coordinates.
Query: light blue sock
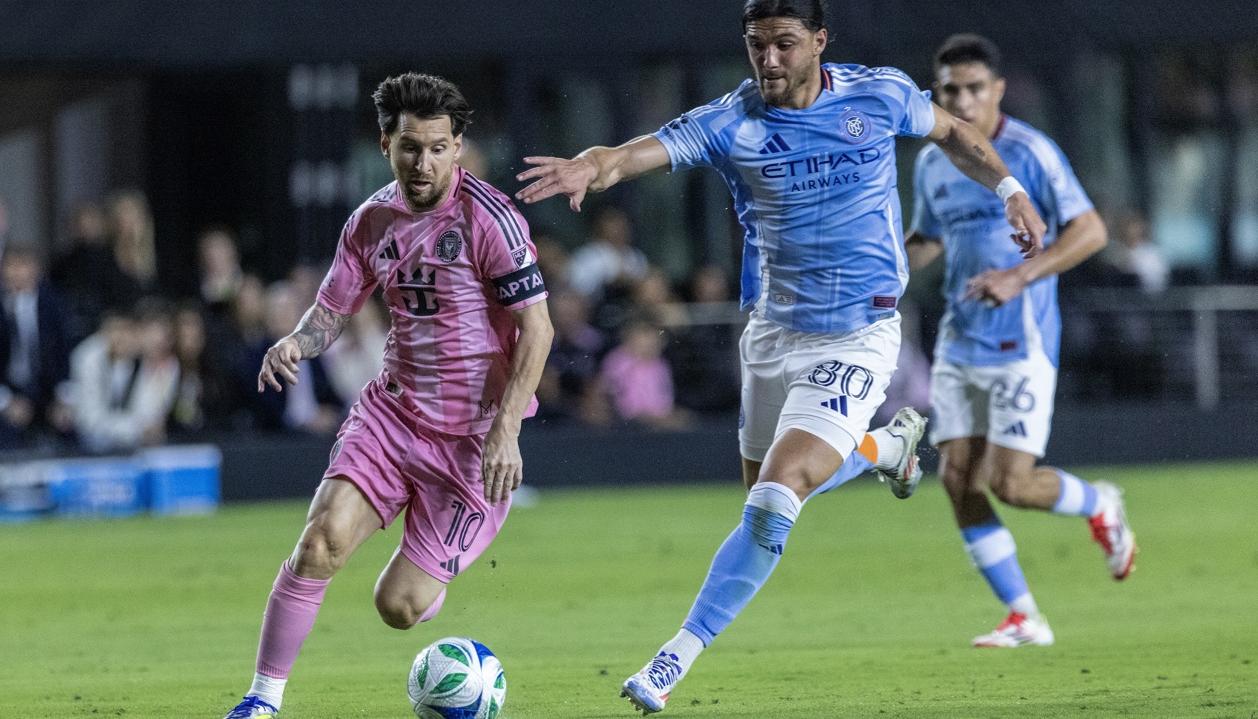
(1076, 498)
(853, 467)
(745, 561)
(992, 548)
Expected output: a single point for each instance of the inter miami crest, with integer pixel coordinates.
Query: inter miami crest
(855, 126)
(449, 245)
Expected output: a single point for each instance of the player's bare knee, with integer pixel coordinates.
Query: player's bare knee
(793, 477)
(320, 553)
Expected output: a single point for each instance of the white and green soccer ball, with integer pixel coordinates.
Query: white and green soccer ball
(457, 678)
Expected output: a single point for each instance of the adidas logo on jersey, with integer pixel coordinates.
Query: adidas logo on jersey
(390, 251)
(775, 145)
(1017, 429)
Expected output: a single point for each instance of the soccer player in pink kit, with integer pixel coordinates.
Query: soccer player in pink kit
(437, 433)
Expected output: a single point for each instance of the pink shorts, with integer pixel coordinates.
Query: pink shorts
(397, 463)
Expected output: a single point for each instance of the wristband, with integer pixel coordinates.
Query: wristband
(1008, 187)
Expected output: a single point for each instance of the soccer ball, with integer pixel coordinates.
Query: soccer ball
(457, 678)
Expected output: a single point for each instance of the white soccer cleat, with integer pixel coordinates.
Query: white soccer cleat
(251, 707)
(1111, 530)
(648, 690)
(909, 426)
(1018, 630)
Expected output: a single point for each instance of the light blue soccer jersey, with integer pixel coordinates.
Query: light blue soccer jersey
(815, 192)
(970, 219)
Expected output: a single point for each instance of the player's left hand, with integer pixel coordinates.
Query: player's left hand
(995, 287)
(1028, 227)
(502, 468)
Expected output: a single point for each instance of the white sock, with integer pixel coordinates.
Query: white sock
(890, 448)
(686, 646)
(1025, 605)
(268, 689)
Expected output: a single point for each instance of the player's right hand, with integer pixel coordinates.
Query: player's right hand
(556, 176)
(1028, 227)
(280, 360)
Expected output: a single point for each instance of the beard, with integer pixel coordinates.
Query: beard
(429, 198)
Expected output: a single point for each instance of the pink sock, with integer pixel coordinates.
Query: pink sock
(433, 608)
(290, 614)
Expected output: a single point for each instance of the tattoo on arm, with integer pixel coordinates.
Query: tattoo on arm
(978, 152)
(318, 329)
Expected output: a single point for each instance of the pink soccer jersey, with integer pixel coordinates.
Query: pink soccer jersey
(450, 277)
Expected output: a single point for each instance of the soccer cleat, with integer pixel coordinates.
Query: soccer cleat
(251, 707)
(909, 426)
(648, 690)
(1017, 630)
(1111, 530)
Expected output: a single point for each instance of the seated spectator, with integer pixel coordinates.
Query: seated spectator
(125, 378)
(704, 356)
(312, 404)
(132, 235)
(88, 276)
(207, 397)
(609, 258)
(638, 381)
(357, 356)
(553, 261)
(33, 348)
(571, 375)
(1135, 254)
(653, 299)
(221, 274)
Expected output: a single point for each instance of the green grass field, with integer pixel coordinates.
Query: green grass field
(869, 614)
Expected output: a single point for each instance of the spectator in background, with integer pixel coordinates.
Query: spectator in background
(356, 357)
(33, 347)
(87, 274)
(221, 274)
(570, 379)
(131, 228)
(311, 405)
(638, 381)
(609, 258)
(553, 260)
(207, 397)
(704, 356)
(125, 379)
(1137, 256)
(653, 299)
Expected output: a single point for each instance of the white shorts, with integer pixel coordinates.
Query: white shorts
(1011, 405)
(827, 385)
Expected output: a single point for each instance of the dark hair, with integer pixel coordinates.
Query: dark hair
(424, 96)
(967, 47)
(810, 12)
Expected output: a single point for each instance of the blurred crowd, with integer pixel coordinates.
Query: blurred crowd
(93, 357)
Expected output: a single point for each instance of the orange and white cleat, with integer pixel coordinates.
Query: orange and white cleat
(1111, 530)
(1018, 630)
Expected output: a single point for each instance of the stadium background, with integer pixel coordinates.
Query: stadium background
(252, 123)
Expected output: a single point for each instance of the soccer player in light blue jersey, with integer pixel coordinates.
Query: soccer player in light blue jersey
(808, 153)
(996, 360)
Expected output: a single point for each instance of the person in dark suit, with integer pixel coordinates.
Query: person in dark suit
(34, 349)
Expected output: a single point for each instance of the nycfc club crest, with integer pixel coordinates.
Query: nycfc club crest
(855, 126)
(449, 246)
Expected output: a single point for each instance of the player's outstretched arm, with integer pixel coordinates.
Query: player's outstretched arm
(1081, 238)
(974, 155)
(318, 329)
(922, 250)
(502, 467)
(594, 170)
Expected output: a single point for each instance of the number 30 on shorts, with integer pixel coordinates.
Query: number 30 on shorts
(854, 380)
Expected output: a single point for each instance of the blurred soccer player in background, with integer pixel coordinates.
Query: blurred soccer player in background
(808, 152)
(995, 366)
(437, 432)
